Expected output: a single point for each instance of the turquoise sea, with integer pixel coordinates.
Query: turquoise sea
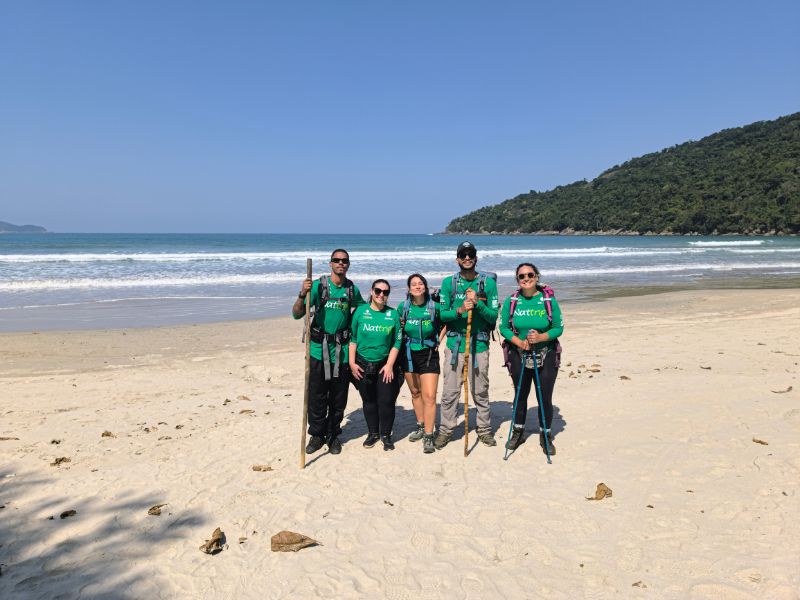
(78, 281)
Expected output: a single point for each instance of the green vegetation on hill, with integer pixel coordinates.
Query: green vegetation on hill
(9, 228)
(743, 180)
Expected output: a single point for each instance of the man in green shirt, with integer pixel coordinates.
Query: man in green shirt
(474, 292)
(333, 299)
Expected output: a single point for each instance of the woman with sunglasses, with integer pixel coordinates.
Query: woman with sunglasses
(419, 316)
(374, 345)
(531, 334)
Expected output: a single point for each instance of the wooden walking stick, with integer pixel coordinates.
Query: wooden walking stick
(308, 370)
(466, 384)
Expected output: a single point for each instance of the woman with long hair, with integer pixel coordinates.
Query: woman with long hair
(419, 317)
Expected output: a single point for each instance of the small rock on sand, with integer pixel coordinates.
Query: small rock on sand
(155, 510)
(60, 461)
(215, 544)
(603, 491)
(289, 541)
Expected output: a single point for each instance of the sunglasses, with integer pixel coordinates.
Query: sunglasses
(466, 255)
(380, 292)
(524, 276)
(341, 261)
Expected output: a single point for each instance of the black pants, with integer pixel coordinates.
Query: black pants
(326, 400)
(378, 398)
(547, 381)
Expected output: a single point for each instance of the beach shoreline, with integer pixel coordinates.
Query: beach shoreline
(149, 313)
(665, 398)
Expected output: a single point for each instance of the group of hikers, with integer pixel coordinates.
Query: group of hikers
(376, 347)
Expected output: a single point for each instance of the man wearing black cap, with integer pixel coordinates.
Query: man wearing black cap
(467, 291)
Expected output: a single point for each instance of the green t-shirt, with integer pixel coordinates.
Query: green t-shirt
(333, 316)
(419, 317)
(484, 315)
(375, 332)
(530, 313)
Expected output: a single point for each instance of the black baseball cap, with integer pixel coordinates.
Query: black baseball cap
(465, 246)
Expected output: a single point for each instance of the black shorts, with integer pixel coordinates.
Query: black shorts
(421, 362)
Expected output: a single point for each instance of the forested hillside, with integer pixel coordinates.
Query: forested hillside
(743, 180)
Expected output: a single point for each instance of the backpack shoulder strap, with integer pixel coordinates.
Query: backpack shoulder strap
(324, 291)
(547, 294)
(511, 308)
(406, 308)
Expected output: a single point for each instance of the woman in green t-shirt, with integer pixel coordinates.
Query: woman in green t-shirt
(374, 345)
(531, 333)
(419, 316)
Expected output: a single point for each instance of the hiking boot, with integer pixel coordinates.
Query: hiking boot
(418, 434)
(372, 439)
(315, 443)
(334, 445)
(517, 438)
(442, 440)
(427, 444)
(487, 439)
(542, 444)
(388, 444)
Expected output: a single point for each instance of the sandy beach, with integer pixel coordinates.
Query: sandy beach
(686, 405)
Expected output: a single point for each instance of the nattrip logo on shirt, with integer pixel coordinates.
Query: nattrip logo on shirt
(337, 305)
(376, 328)
(529, 312)
(416, 322)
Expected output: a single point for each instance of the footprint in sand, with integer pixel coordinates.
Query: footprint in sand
(473, 588)
(702, 591)
(394, 570)
(422, 541)
(346, 542)
(630, 558)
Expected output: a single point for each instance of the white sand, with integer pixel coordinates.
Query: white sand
(698, 509)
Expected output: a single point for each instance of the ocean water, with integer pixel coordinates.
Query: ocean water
(75, 281)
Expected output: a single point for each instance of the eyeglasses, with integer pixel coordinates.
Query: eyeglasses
(341, 261)
(380, 292)
(524, 276)
(467, 255)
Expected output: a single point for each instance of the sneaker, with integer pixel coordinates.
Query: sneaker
(418, 434)
(517, 438)
(315, 443)
(542, 444)
(487, 439)
(427, 444)
(388, 444)
(372, 439)
(442, 440)
(334, 445)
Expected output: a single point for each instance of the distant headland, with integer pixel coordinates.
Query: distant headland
(9, 228)
(743, 181)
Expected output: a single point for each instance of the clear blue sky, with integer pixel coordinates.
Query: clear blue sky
(359, 116)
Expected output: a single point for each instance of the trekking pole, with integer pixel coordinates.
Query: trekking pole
(540, 400)
(516, 399)
(308, 370)
(466, 384)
